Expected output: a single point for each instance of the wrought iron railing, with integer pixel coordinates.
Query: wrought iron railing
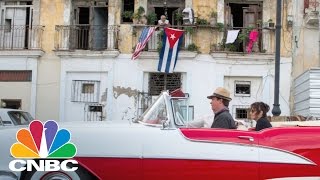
(155, 42)
(20, 37)
(86, 37)
(263, 42)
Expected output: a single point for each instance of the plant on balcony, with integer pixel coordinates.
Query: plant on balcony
(243, 37)
(270, 23)
(152, 18)
(189, 30)
(213, 18)
(201, 21)
(192, 47)
(127, 14)
(220, 27)
(136, 17)
(178, 17)
(259, 23)
(219, 47)
(231, 47)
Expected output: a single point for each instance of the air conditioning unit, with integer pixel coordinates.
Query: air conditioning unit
(312, 18)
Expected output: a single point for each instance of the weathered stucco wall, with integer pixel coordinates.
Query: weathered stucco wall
(126, 38)
(52, 14)
(306, 42)
(22, 90)
(203, 8)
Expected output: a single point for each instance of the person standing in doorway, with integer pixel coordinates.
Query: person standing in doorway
(163, 22)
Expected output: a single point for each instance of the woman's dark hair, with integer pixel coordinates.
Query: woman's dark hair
(260, 106)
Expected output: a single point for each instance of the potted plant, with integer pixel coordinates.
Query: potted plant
(259, 23)
(189, 30)
(179, 17)
(192, 47)
(201, 21)
(270, 23)
(220, 27)
(127, 16)
(213, 18)
(152, 18)
(136, 17)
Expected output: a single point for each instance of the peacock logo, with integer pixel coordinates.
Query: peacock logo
(43, 141)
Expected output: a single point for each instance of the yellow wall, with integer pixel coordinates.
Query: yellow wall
(48, 87)
(203, 8)
(126, 38)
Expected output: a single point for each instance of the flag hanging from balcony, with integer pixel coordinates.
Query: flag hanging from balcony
(143, 40)
(171, 42)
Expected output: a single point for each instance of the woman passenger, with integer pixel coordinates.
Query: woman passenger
(258, 112)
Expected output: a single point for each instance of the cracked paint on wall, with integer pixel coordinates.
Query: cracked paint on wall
(129, 113)
(117, 91)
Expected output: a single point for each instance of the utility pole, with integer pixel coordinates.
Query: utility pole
(276, 111)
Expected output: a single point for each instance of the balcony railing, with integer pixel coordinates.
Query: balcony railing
(263, 43)
(155, 42)
(20, 37)
(206, 38)
(86, 37)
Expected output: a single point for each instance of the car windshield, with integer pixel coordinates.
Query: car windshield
(156, 114)
(182, 112)
(20, 117)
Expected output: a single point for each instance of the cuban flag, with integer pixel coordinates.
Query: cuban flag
(172, 39)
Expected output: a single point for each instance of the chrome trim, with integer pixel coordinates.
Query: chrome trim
(251, 139)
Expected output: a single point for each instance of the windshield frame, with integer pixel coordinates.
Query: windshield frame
(175, 118)
(169, 114)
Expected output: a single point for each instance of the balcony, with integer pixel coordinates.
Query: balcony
(264, 43)
(20, 37)
(86, 37)
(155, 42)
(209, 39)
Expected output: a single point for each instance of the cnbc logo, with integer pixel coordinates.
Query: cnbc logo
(41, 145)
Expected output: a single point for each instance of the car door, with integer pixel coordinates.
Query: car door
(200, 154)
(238, 156)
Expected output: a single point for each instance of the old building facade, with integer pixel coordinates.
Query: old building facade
(72, 59)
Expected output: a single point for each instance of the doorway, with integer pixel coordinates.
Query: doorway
(244, 17)
(170, 12)
(91, 28)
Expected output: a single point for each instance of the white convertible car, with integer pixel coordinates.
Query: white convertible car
(159, 146)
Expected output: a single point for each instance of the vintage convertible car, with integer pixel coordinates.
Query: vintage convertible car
(161, 146)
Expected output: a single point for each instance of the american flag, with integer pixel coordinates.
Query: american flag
(144, 38)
